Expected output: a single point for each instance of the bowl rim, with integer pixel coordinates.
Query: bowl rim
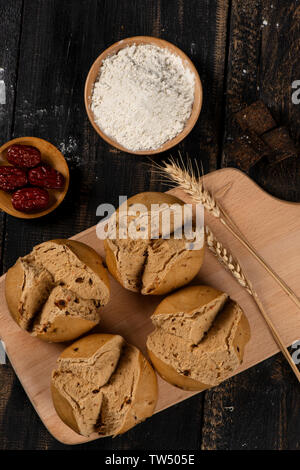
(113, 49)
(30, 140)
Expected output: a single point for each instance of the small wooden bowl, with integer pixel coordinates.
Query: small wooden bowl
(50, 155)
(94, 71)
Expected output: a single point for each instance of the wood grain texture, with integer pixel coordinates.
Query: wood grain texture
(262, 64)
(10, 19)
(59, 42)
(49, 62)
(128, 314)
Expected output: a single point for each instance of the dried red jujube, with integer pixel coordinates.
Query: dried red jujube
(12, 178)
(30, 199)
(46, 177)
(23, 156)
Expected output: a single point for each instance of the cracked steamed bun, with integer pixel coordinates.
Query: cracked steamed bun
(101, 384)
(199, 337)
(152, 266)
(56, 291)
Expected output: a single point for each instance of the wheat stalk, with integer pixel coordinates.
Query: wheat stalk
(191, 183)
(232, 265)
(226, 258)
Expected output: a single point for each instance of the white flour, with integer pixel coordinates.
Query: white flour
(143, 97)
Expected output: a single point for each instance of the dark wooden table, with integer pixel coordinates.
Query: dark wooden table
(243, 51)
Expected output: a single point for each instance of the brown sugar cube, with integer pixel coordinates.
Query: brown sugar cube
(256, 117)
(242, 153)
(258, 144)
(280, 142)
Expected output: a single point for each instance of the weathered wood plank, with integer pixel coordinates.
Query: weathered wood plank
(263, 64)
(258, 409)
(10, 16)
(60, 40)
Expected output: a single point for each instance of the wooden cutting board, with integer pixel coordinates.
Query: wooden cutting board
(271, 225)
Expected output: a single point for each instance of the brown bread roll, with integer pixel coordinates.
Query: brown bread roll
(199, 338)
(148, 265)
(102, 384)
(55, 291)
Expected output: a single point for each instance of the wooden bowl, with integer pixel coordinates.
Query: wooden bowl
(50, 155)
(94, 71)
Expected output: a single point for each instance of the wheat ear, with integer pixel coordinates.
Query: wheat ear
(232, 265)
(225, 258)
(193, 186)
